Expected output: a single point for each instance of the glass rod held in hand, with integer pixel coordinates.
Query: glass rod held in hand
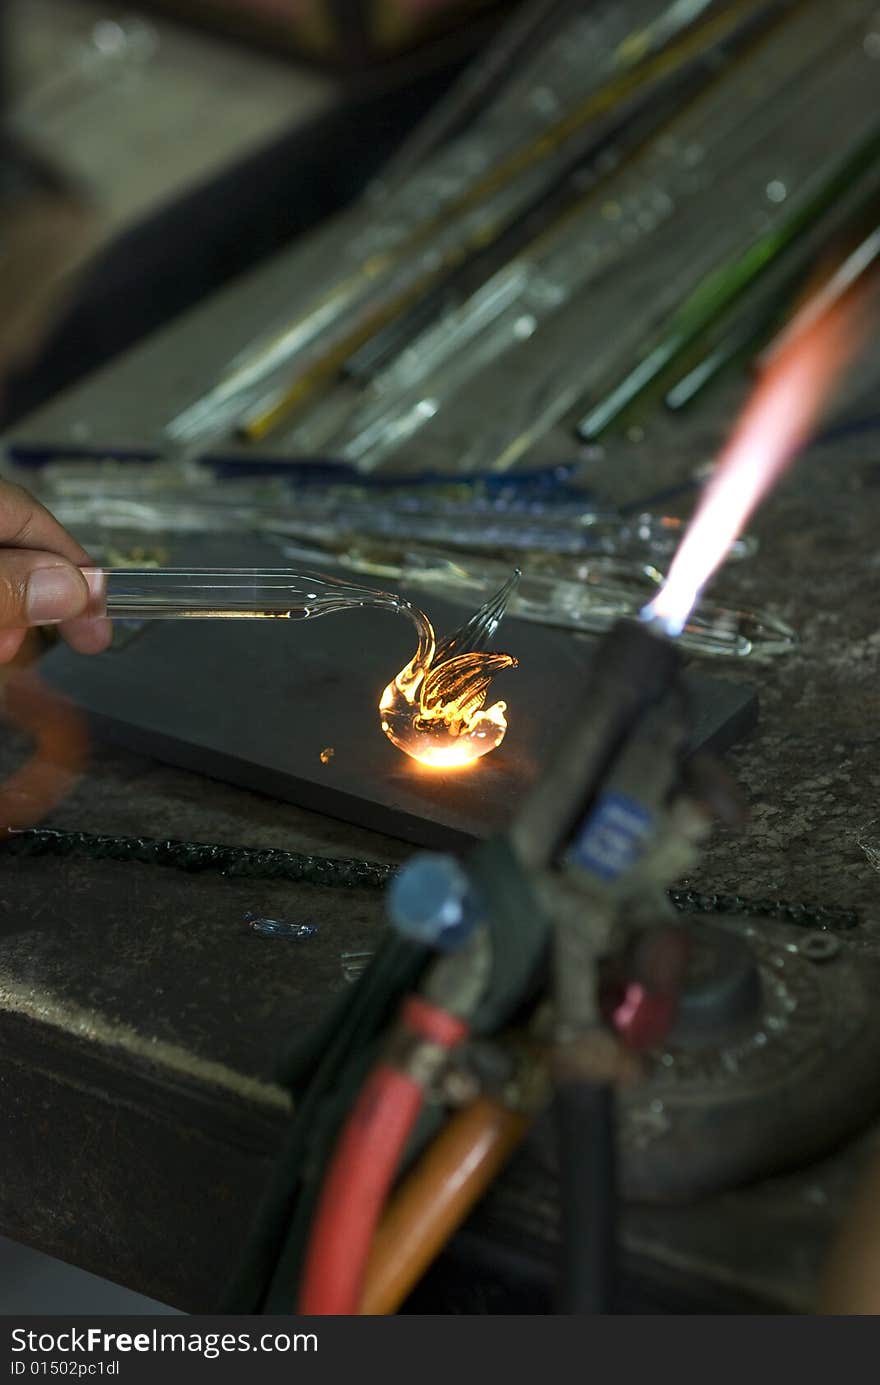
(171, 593)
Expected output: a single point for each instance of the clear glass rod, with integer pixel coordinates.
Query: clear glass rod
(168, 593)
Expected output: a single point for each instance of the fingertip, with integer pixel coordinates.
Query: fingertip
(87, 634)
(10, 643)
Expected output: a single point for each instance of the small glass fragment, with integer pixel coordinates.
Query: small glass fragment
(327, 754)
(279, 928)
(354, 964)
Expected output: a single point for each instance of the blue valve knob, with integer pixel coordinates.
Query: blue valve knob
(431, 900)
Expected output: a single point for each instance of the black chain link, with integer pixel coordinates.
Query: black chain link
(272, 863)
(814, 916)
(239, 862)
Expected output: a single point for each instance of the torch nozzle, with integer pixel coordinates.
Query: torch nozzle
(636, 666)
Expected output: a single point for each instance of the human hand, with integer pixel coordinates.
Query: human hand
(40, 578)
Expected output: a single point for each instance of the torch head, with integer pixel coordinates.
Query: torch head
(635, 686)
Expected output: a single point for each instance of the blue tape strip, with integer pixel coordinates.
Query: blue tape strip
(613, 837)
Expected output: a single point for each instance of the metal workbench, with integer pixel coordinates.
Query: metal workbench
(140, 1024)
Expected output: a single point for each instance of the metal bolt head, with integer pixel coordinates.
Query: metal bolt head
(431, 901)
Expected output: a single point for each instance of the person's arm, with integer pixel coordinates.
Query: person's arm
(40, 581)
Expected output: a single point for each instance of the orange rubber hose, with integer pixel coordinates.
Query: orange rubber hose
(435, 1199)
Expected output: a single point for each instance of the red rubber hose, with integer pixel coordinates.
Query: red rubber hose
(363, 1170)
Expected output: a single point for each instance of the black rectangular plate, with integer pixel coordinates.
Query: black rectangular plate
(255, 704)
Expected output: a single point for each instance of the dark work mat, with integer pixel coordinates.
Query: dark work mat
(256, 703)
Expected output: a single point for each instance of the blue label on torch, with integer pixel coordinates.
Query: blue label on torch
(613, 837)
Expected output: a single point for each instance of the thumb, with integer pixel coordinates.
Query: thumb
(39, 589)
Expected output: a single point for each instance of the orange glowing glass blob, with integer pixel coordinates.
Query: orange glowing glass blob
(435, 709)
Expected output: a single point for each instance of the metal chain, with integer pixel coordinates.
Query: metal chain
(272, 863)
(239, 862)
(812, 916)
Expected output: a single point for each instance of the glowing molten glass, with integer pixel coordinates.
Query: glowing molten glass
(776, 423)
(435, 709)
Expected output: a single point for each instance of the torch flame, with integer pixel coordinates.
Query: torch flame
(775, 424)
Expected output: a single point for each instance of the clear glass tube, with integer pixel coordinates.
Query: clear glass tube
(170, 593)
(471, 184)
(584, 596)
(558, 529)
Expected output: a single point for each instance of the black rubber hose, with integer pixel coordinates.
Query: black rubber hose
(325, 1076)
(585, 1126)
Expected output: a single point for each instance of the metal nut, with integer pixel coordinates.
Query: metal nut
(819, 947)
